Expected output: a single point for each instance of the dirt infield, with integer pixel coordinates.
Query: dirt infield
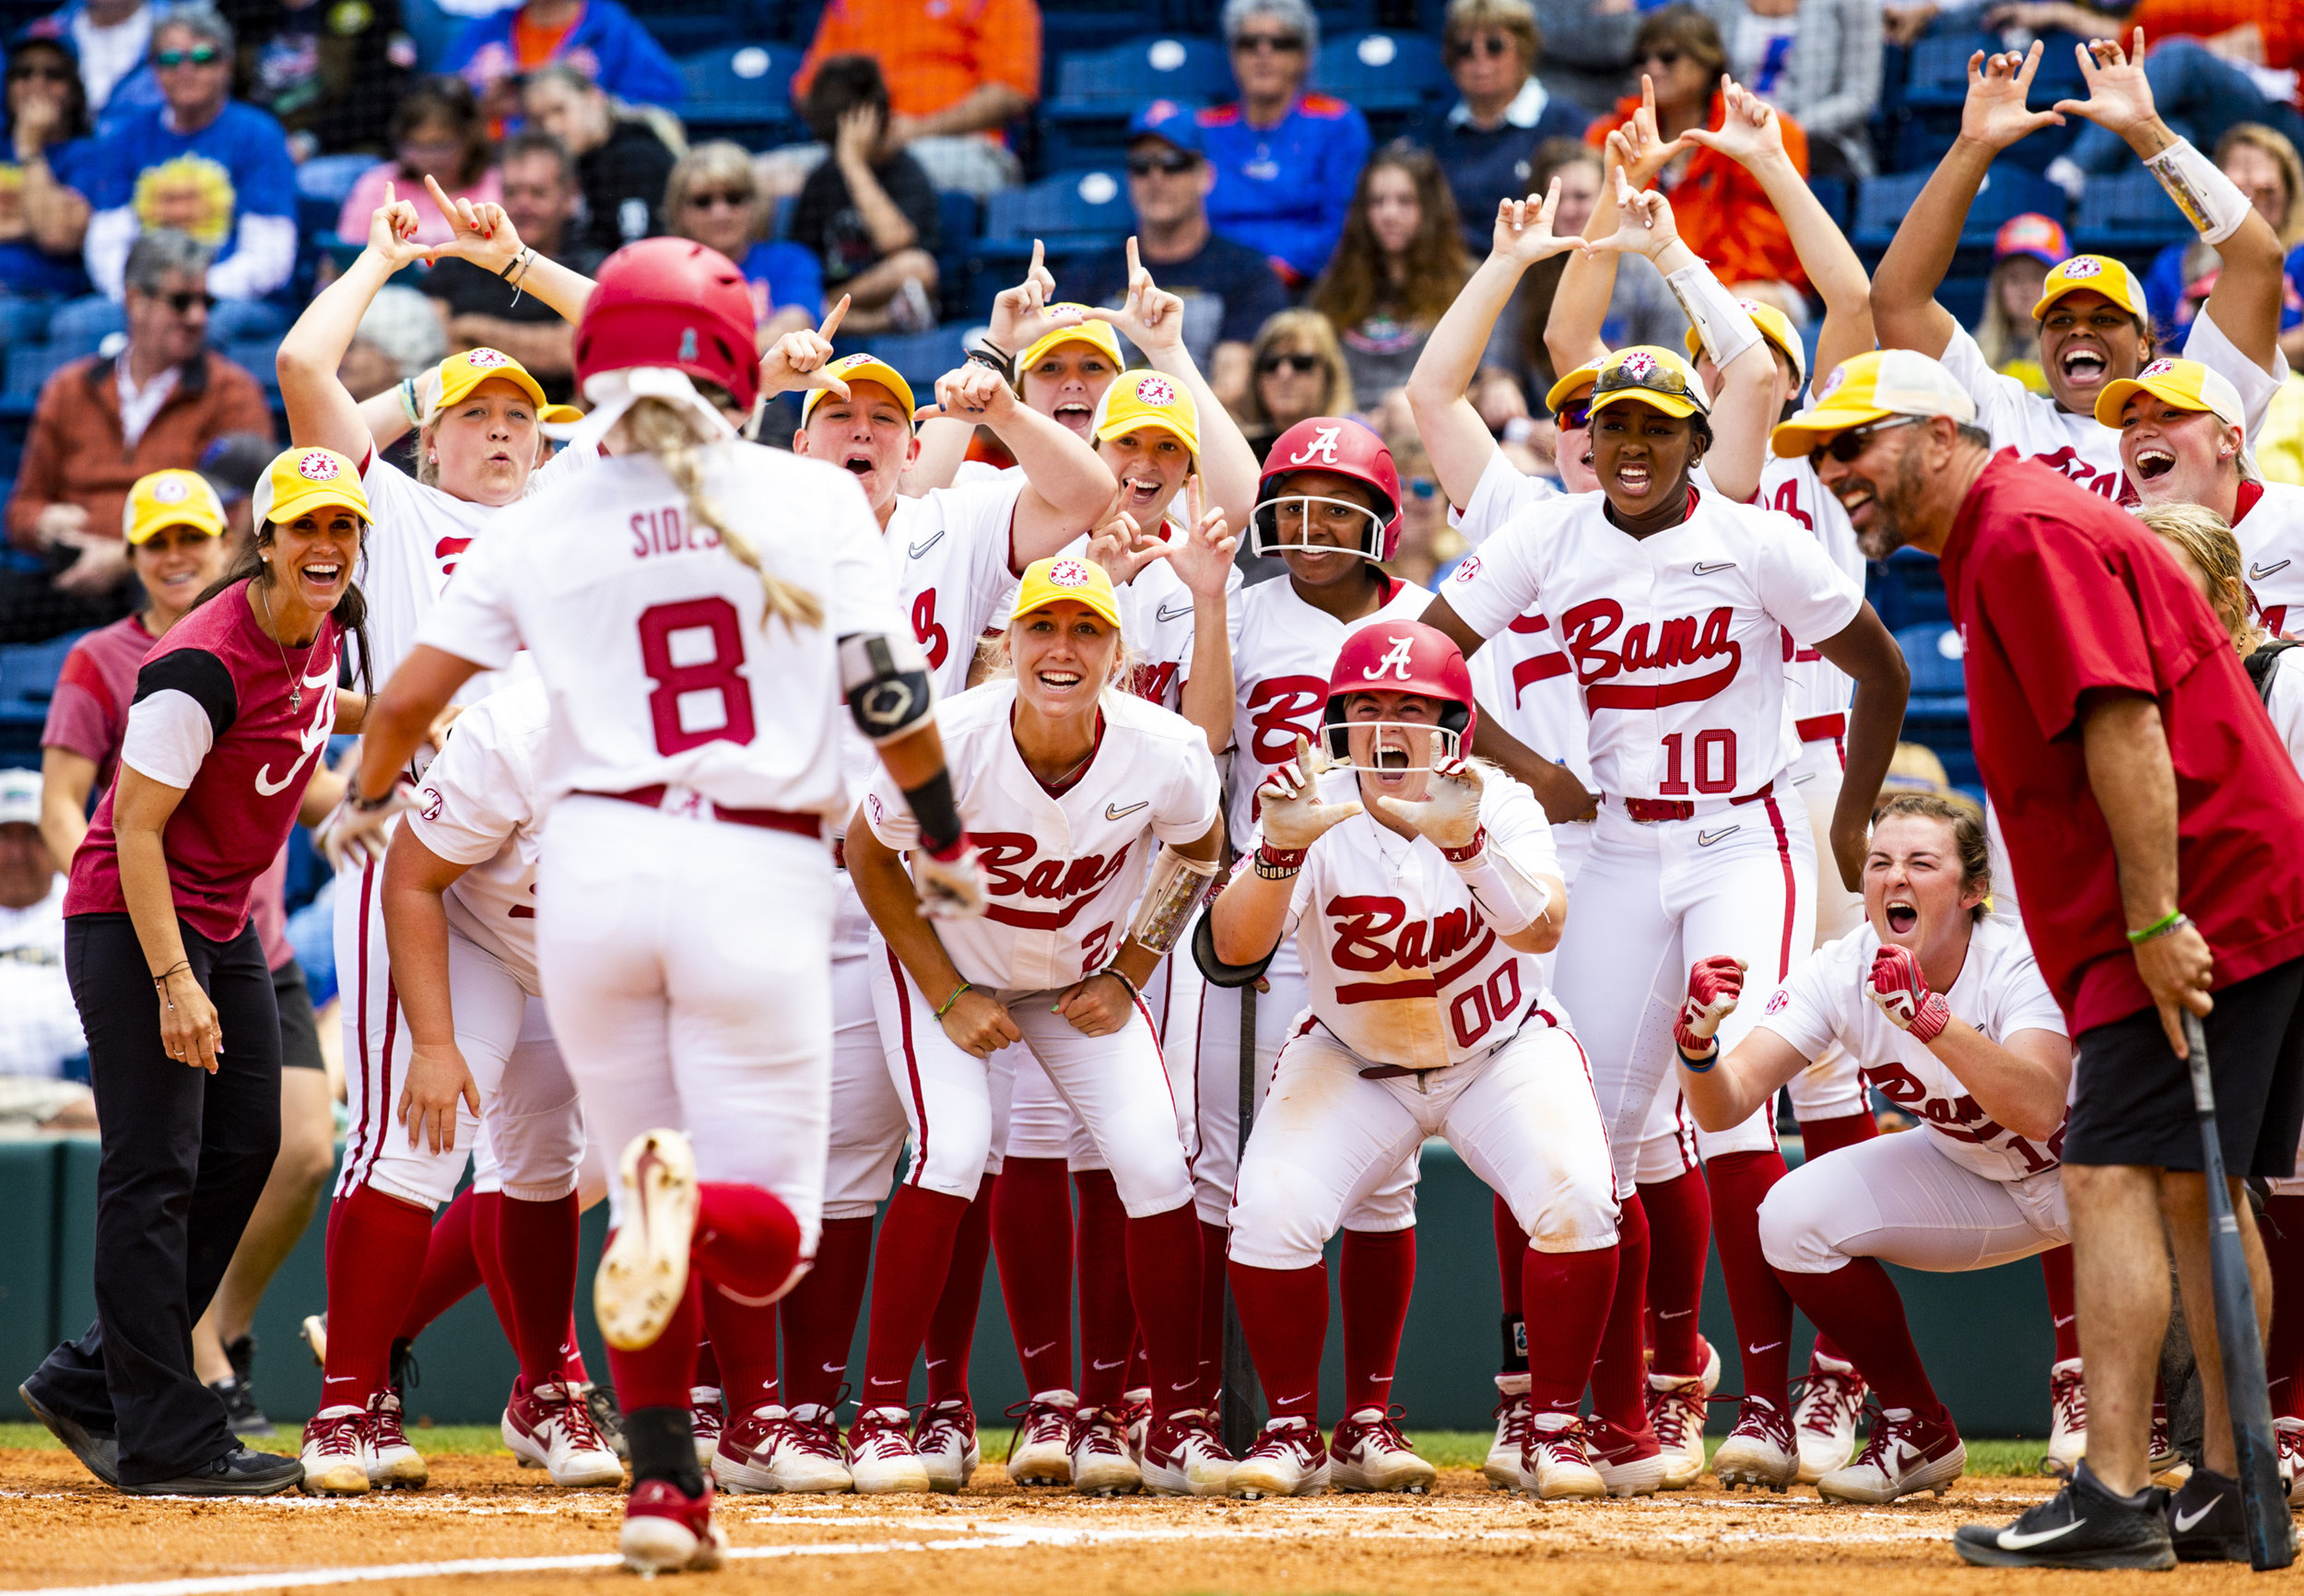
(60, 1530)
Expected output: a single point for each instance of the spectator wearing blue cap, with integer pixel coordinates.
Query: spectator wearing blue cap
(1485, 142)
(1286, 160)
(1229, 290)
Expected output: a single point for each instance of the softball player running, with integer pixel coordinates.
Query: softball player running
(1419, 887)
(1960, 1032)
(1672, 605)
(685, 964)
(1074, 784)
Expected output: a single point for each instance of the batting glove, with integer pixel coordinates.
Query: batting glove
(1714, 985)
(949, 885)
(357, 836)
(1449, 815)
(1288, 805)
(1901, 991)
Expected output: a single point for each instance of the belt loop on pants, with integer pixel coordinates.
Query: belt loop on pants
(798, 822)
(1653, 811)
(1822, 728)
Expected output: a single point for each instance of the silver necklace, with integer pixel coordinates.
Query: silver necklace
(296, 688)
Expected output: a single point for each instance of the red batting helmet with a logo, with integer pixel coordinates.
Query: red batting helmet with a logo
(671, 303)
(1402, 657)
(1343, 448)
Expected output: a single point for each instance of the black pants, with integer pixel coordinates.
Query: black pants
(186, 1156)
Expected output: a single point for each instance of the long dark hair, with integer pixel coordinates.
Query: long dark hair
(76, 118)
(1356, 283)
(351, 611)
(448, 100)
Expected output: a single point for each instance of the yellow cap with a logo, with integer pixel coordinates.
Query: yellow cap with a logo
(302, 480)
(1143, 399)
(862, 368)
(1648, 374)
(1066, 576)
(1871, 387)
(1092, 331)
(1777, 328)
(2097, 274)
(166, 498)
(460, 374)
(2186, 384)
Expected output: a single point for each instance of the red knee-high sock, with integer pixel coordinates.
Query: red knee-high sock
(1108, 1315)
(535, 1251)
(1857, 1304)
(1214, 1292)
(914, 1257)
(661, 1374)
(1510, 1242)
(1284, 1314)
(1565, 1299)
(952, 1329)
(452, 1272)
(819, 1314)
(708, 1363)
(487, 1243)
(1619, 1374)
(1758, 1299)
(1679, 1234)
(1164, 1281)
(746, 1238)
(738, 1358)
(1819, 1137)
(2283, 1229)
(1378, 1275)
(1139, 1367)
(379, 1253)
(2063, 1314)
(573, 1367)
(1031, 1233)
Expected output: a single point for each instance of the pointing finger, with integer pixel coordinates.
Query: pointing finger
(831, 323)
(1134, 263)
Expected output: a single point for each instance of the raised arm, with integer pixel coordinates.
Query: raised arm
(1067, 488)
(1905, 314)
(1580, 306)
(319, 409)
(1020, 317)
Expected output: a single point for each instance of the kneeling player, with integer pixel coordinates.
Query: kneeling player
(1960, 1031)
(1420, 922)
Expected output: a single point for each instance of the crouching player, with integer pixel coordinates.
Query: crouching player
(1960, 1031)
(1421, 888)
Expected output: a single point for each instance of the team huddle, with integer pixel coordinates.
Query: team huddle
(735, 829)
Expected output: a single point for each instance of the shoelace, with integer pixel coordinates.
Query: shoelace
(944, 1419)
(1671, 1413)
(1097, 1430)
(576, 1424)
(818, 1438)
(1829, 1399)
(1293, 1440)
(1038, 1423)
(384, 1417)
(1383, 1434)
(1766, 1419)
(873, 1433)
(341, 1433)
(1568, 1444)
(1884, 1432)
(2068, 1393)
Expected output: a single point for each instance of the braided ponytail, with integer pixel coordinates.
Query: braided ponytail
(667, 433)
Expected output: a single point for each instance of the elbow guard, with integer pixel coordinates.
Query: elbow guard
(886, 679)
(1215, 969)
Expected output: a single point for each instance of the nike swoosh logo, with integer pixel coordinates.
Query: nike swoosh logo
(1769, 1347)
(917, 549)
(2063, 1320)
(1705, 838)
(1164, 613)
(2014, 1541)
(1100, 1363)
(835, 1368)
(1043, 1346)
(1681, 1313)
(1112, 812)
(1707, 568)
(1286, 1402)
(2184, 1522)
(2258, 572)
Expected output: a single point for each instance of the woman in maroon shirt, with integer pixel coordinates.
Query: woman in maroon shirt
(231, 713)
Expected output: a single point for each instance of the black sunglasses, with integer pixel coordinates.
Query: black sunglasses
(1667, 59)
(1493, 44)
(1174, 161)
(1256, 43)
(1300, 364)
(183, 301)
(47, 74)
(735, 199)
(1856, 440)
(199, 55)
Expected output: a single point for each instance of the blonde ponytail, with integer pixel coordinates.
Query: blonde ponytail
(664, 433)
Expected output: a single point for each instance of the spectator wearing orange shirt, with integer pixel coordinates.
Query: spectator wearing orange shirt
(1724, 213)
(598, 38)
(957, 71)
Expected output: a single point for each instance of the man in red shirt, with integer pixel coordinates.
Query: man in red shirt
(2149, 812)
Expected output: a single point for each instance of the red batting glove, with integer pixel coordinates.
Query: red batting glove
(1714, 985)
(1901, 991)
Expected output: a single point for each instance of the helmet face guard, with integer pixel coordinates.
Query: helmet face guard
(1401, 657)
(1265, 537)
(1396, 746)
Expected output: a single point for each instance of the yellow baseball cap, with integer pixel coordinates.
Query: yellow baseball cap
(1871, 387)
(1147, 399)
(2187, 384)
(2098, 274)
(1776, 328)
(1099, 334)
(1570, 382)
(301, 480)
(559, 415)
(166, 498)
(1066, 576)
(1651, 375)
(862, 368)
(460, 374)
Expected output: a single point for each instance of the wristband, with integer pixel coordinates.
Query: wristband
(1724, 329)
(938, 815)
(1470, 850)
(1278, 864)
(1114, 972)
(161, 979)
(1699, 1064)
(370, 805)
(407, 402)
(990, 356)
(2210, 201)
(957, 991)
(2174, 920)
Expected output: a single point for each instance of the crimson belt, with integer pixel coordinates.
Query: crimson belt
(1649, 811)
(795, 821)
(1816, 728)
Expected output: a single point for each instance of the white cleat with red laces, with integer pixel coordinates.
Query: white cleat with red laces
(644, 1275)
(945, 1441)
(1288, 1459)
(1184, 1456)
(1905, 1455)
(1368, 1453)
(1099, 1455)
(335, 1453)
(668, 1531)
(548, 1429)
(1761, 1450)
(1558, 1466)
(769, 1449)
(393, 1463)
(1040, 1453)
(2289, 1435)
(1510, 1444)
(1824, 1419)
(882, 1460)
(2067, 1418)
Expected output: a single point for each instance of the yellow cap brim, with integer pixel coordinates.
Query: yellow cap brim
(2112, 288)
(456, 390)
(163, 516)
(1087, 598)
(1122, 426)
(879, 371)
(1670, 404)
(1096, 335)
(1582, 377)
(559, 415)
(2109, 403)
(319, 496)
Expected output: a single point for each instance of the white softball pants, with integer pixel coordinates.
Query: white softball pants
(1043, 1125)
(1901, 1200)
(684, 965)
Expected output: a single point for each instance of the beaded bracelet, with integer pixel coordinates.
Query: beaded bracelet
(957, 991)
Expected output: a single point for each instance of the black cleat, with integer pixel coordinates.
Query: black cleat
(238, 1473)
(2083, 1526)
(99, 1452)
(2208, 1520)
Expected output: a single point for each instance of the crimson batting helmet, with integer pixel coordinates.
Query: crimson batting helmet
(1403, 657)
(1343, 448)
(671, 303)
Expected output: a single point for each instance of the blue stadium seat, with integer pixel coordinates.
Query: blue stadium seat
(960, 219)
(1108, 86)
(1939, 689)
(742, 91)
(260, 356)
(2130, 212)
(29, 370)
(1836, 195)
(331, 177)
(919, 357)
(1882, 202)
(28, 680)
(1386, 75)
(1938, 75)
(1074, 213)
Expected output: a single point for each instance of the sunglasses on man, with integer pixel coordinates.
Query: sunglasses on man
(198, 55)
(1856, 440)
(1170, 164)
(1490, 45)
(1278, 43)
(183, 301)
(1301, 365)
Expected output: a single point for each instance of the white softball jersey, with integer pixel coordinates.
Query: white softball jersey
(1999, 991)
(1061, 872)
(1675, 640)
(2271, 534)
(1282, 655)
(1816, 688)
(653, 640)
(954, 562)
(1402, 967)
(1521, 677)
(477, 806)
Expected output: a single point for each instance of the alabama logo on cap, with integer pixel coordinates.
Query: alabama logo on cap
(1068, 573)
(481, 360)
(1637, 365)
(317, 466)
(1832, 383)
(171, 490)
(2081, 266)
(2158, 368)
(1156, 392)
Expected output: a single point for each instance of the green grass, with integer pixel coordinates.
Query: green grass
(1448, 1449)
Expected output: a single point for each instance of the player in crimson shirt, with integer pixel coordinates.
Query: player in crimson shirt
(2147, 805)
